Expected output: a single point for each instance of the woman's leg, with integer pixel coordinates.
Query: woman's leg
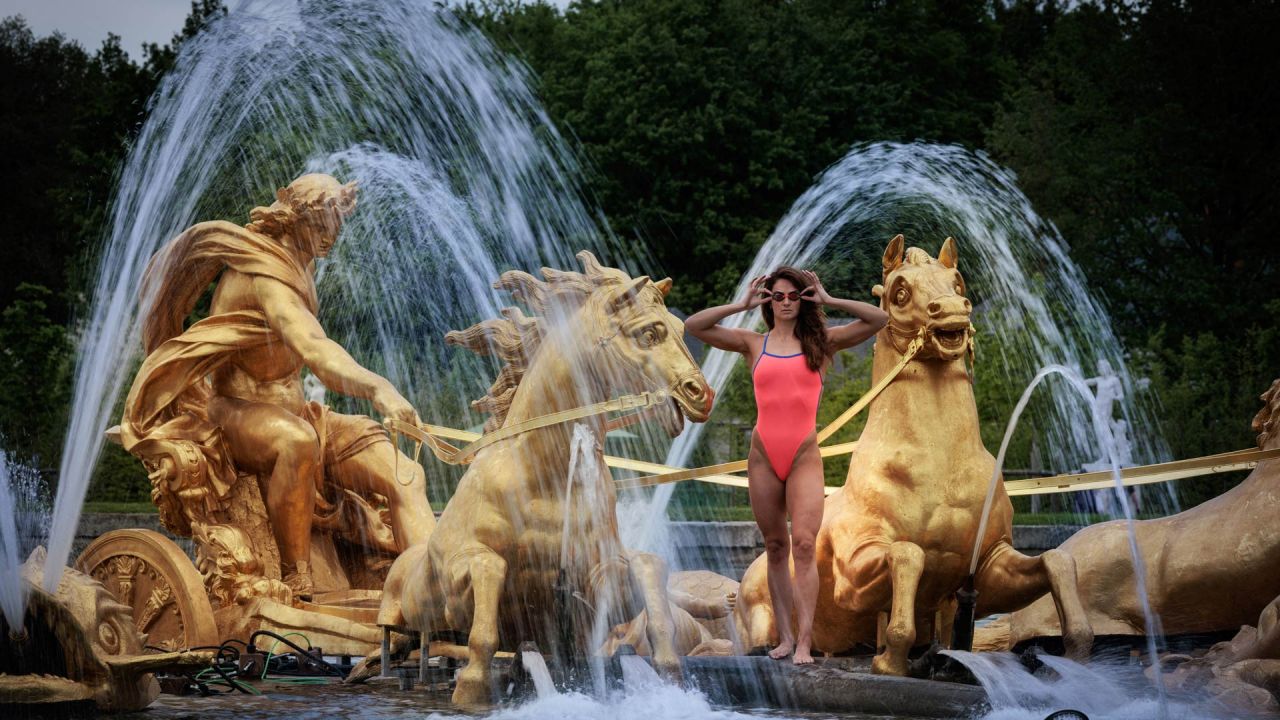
(769, 505)
(805, 497)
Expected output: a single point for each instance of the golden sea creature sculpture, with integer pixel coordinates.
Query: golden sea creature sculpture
(897, 538)
(1210, 568)
(701, 605)
(79, 644)
(528, 545)
(1242, 673)
(286, 499)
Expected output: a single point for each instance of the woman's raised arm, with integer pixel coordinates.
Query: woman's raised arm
(704, 324)
(869, 317)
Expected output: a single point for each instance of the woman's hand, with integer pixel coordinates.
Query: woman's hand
(814, 292)
(756, 294)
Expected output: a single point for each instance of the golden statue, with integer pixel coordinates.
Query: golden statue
(1242, 673)
(286, 499)
(528, 546)
(701, 607)
(897, 538)
(1211, 568)
(80, 644)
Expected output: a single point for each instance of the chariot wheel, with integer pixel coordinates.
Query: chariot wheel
(154, 577)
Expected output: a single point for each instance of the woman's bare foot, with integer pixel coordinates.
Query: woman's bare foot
(802, 656)
(784, 649)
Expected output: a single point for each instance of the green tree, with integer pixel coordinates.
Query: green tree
(1141, 131)
(705, 119)
(35, 365)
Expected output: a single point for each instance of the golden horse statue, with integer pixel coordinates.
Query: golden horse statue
(529, 541)
(1211, 568)
(897, 538)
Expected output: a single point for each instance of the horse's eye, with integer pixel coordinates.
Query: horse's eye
(901, 296)
(959, 288)
(651, 335)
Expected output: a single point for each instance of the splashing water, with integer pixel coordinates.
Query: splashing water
(22, 518)
(462, 176)
(637, 673)
(536, 666)
(13, 601)
(651, 701)
(1116, 694)
(1031, 298)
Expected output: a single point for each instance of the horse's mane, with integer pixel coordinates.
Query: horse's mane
(516, 339)
(1268, 418)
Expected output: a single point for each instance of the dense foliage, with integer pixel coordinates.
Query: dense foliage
(1143, 130)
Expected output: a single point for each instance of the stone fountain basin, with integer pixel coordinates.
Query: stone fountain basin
(837, 685)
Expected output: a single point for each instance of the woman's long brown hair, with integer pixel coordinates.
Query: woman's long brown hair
(811, 322)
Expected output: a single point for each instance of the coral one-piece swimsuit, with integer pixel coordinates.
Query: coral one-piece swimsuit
(787, 394)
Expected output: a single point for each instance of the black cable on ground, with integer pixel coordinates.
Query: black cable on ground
(290, 643)
(226, 647)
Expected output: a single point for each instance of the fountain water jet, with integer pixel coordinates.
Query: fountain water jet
(23, 518)
(13, 599)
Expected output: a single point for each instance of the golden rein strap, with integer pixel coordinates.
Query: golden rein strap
(1143, 474)
(431, 435)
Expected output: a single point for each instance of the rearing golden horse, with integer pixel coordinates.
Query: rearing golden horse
(538, 509)
(898, 537)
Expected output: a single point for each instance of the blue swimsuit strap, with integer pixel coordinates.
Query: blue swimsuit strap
(763, 351)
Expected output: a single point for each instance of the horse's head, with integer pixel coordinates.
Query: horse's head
(641, 347)
(614, 331)
(921, 292)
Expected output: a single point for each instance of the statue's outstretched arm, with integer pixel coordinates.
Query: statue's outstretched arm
(301, 331)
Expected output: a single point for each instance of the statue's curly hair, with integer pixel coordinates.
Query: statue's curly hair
(1266, 421)
(308, 192)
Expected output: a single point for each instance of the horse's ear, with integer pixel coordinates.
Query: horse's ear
(893, 254)
(664, 286)
(628, 293)
(282, 195)
(948, 255)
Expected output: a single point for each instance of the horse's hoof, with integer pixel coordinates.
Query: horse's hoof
(668, 667)
(882, 665)
(1078, 644)
(472, 690)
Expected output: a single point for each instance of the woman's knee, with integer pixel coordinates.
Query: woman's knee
(777, 547)
(802, 548)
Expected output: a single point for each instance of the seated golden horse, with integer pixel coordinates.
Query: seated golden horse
(1212, 568)
(528, 548)
(897, 538)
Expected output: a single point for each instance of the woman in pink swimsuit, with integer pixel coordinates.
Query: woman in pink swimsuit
(784, 468)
